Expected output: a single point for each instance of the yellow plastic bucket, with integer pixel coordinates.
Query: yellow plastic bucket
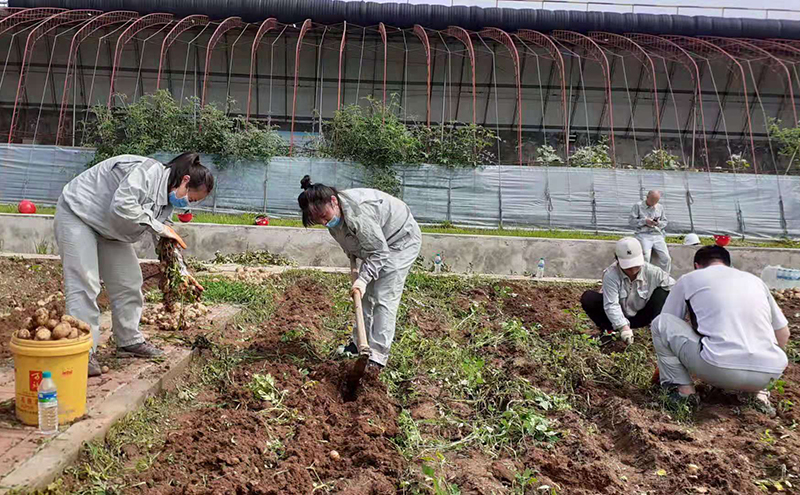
(67, 360)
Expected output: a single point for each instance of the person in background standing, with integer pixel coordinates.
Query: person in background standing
(649, 220)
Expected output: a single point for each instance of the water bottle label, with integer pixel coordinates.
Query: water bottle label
(46, 397)
(789, 274)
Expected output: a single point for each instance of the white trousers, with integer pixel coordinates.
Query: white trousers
(657, 243)
(85, 258)
(678, 347)
(382, 298)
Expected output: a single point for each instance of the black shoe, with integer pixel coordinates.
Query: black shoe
(678, 401)
(374, 366)
(141, 350)
(94, 367)
(351, 348)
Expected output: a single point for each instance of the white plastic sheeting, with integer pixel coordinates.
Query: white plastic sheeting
(562, 198)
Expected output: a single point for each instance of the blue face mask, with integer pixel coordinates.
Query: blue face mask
(177, 202)
(334, 222)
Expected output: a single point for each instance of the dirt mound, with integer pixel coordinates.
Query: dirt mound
(309, 440)
(545, 305)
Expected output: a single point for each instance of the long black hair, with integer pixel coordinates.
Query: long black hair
(189, 164)
(313, 198)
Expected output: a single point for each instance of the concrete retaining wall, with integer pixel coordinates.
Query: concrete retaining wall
(477, 254)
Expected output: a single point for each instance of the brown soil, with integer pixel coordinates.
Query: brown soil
(309, 439)
(23, 283)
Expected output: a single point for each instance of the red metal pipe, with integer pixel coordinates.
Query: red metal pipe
(41, 29)
(265, 27)
(224, 27)
(463, 36)
(423, 37)
(103, 20)
(183, 25)
(303, 30)
(339, 81)
(503, 38)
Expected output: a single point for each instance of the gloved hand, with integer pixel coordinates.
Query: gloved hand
(359, 286)
(170, 233)
(626, 334)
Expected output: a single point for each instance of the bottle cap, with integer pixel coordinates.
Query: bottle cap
(46, 374)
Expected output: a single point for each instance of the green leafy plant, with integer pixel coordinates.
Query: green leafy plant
(158, 123)
(788, 138)
(454, 145)
(592, 156)
(546, 155)
(737, 161)
(375, 138)
(265, 388)
(255, 257)
(661, 159)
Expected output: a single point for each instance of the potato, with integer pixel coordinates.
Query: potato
(61, 331)
(83, 326)
(73, 334)
(42, 316)
(29, 323)
(43, 333)
(70, 319)
(53, 314)
(23, 333)
(51, 323)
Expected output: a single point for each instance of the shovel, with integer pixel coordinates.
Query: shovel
(355, 374)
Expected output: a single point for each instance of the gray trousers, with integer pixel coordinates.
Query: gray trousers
(657, 243)
(678, 347)
(382, 298)
(87, 257)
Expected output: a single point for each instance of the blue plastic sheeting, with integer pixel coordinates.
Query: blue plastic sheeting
(512, 196)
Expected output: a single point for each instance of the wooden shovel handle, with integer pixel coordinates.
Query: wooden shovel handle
(361, 332)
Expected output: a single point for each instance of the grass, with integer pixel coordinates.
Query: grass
(448, 228)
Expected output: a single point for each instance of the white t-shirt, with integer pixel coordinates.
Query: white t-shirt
(736, 315)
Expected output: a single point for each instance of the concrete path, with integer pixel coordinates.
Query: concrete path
(27, 459)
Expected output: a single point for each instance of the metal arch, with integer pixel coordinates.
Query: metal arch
(26, 15)
(623, 43)
(463, 36)
(545, 42)
(138, 25)
(339, 80)
(503, 38)
(669, 50)
(84, 32)
(224, 27)
(741, 47)
(265, 27)
(303, 30)
(183, 25)
(599, 56)
(423, 38)
(382, 30)
(45, 26)
(710, 48)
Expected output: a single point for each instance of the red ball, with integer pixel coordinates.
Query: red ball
(26, 207)
(185, 217)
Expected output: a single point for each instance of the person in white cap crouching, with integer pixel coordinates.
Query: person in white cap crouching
(633, 292)
(736, 338)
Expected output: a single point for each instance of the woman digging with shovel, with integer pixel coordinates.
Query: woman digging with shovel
(379, 230)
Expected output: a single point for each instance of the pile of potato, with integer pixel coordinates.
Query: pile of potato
(47, 325)
(786, 294)
(173, 320)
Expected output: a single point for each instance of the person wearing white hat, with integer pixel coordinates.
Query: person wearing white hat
(736, 338)
(691, 240)
(633, 292)
(650, 220)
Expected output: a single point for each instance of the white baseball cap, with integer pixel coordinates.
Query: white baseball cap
(629, 253)
(691, 240)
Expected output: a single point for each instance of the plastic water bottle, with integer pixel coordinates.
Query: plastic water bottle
(48, 405)
(778, 277)
(437, 263)
(540, 268)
